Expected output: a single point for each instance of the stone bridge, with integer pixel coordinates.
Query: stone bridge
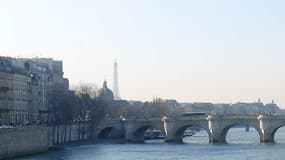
(109, 128)
(217, 127)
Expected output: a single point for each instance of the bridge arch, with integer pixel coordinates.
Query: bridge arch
(109, 132)
(179, 132)
(273, 133)
(139, 132)
(225, 130)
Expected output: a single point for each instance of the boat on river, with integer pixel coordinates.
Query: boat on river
(189, 133)
(154, 136)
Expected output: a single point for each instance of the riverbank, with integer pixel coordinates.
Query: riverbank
(23, 141)
(29, 140)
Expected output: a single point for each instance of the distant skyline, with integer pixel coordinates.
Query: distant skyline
(216, 51)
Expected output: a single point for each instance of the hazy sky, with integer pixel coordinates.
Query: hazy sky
(189, 50)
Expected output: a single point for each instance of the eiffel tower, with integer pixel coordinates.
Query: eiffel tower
(116, 83)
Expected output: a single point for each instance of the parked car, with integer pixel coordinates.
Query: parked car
(26, 123)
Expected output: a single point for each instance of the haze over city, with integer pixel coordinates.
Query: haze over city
(192, 51)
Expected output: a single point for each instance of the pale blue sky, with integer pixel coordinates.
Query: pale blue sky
(192, 51)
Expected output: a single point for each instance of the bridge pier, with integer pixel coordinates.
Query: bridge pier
(173, 138)
(216, 137)
(267, 129)
(216, 130)
(267, 137)
(133, 134)
(171, 135)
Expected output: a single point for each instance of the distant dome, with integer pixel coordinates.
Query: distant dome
(105, 93)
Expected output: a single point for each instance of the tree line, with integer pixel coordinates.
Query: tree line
(83, 104)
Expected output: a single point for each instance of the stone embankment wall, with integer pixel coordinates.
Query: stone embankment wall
(23, 141)
(68, 133)
(37, 139)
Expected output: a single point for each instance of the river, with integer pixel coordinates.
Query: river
(241, 146)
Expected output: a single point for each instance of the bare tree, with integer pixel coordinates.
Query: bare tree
(158, 108)
(86, 89)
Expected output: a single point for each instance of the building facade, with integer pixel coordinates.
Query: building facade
(27, 86)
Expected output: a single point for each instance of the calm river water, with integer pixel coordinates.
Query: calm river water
(241, 146)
